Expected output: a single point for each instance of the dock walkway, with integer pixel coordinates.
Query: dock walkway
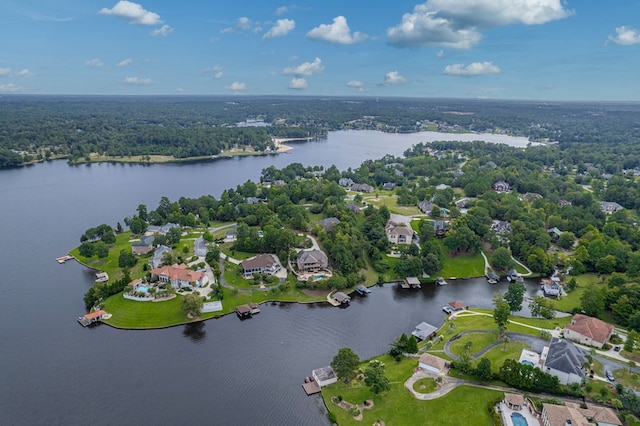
(311, 388)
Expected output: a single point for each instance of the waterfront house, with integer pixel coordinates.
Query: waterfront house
(263, 263)
(312, 260)
(164, 230)
(156, 261)
(563, 359)
(576, 414)
(424, 331)
(399, 233)
(180, 276)
(432, 363)
(144, 246)
(550, 288)
(588, 331)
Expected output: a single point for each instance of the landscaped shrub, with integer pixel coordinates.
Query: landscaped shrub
(495, 416)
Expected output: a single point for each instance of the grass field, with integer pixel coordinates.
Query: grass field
(399, 407)
(572, 300)
(392, 205)
(464, 265)
(110, 263)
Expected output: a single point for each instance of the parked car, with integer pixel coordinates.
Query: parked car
(610, 376)
(616, 348)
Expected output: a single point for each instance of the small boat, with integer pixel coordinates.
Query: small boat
(492, 277)
(453, 278)
(362, 290)
(441, 281)
(492, 281)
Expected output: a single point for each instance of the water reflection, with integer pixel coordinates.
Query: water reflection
(195, 331)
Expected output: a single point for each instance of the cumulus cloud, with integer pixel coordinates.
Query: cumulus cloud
(243, 24)
(298, 83)
(355, 83)
(163, 31)
(137, 81)
(625, 36)
(132, 12)
(306, 68)
(94, 63)
(281, 28)
(458, 24)
(472, 70)
(24, 73)
(338, 32)
(5, 72)
(215, 71)
(10, 88)
(393, 77)
(237, 86)
(124, 62)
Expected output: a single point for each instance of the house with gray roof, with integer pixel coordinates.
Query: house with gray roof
(609, 207)
(564, 360)
(263, 263)
(424, 331)
(425, 206)
(200, 247)
(312, 260)
(345, 182)
(362, 187)
(144, 246)
(329, 223)
(156, 261)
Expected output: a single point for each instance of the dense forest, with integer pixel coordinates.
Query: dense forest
(34, 128)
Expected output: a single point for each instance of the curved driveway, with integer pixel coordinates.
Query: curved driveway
(536, 343)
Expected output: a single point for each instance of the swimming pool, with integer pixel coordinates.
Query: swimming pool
(318, 277)
(518, 420)
(527, 362)
(143, 289)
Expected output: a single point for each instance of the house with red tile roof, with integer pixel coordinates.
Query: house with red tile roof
(180, 276)
(588, 331)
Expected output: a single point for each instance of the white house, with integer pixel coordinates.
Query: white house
(264, 263)
(324, 376)
(399, 233)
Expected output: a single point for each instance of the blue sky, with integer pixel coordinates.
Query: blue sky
(499, 49)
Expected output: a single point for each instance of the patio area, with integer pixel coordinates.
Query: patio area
(511, 417)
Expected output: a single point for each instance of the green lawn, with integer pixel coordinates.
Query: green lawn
(426, 385)
(499, 354)
(132, 314)
(110, 263)
(465, 265)
(478, 341)
(399, 407)
(572, 300)
(392, 205)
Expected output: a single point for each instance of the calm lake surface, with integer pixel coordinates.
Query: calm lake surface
(224, 371)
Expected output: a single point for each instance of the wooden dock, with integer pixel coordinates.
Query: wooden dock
(311, 388)
(64, 259)
(255, 308)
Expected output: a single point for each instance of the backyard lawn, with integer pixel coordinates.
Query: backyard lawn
(464, 265)
(572, 300)
(399, 407)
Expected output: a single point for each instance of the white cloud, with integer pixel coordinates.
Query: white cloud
(179, 90)
(440, 54)
(355, 83)
(132, 12)
(472, 70)
(24, 73)
(298, 83)
(237, 86)
(137, 81)
(10, 88)
(306, 68)
(243, 24)
(124, 62)
(393, 77)
(625, 36)
(5, 72)
(338, 32)
(215, 71)
(457, 24)
(163, 31)
(281, 28)
(281, 10)
(94, 63)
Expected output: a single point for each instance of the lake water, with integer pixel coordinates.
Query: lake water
(224, 371)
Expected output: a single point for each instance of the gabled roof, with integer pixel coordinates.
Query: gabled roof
(433, 361)
(564, 356)
(96, 314)
(329, 222)
(457, 305)
(423, 330)
(146, 241)
(312, 256)
(178, 272)
(258, 262)
(590, 327)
